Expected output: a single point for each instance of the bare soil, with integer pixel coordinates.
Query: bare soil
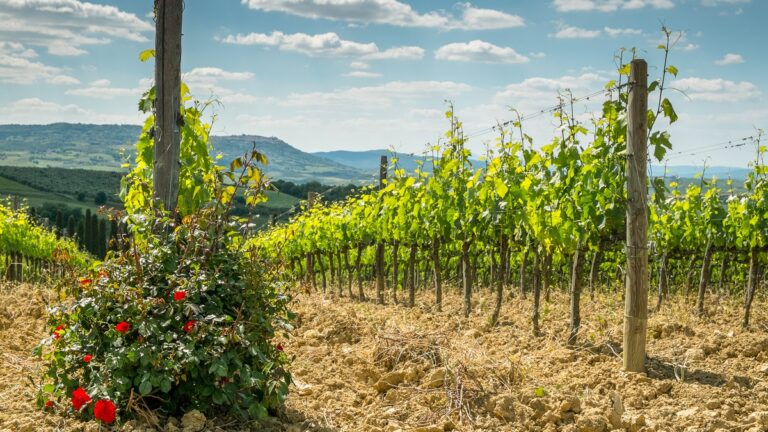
(366, 367)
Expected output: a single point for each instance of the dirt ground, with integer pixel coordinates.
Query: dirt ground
(364, 367)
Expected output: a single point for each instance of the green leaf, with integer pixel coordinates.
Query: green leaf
(669, 111)
(257, 411)
(165, 385)
(624, 70)
(539, 392)
(501, 188)
(671, 69)
(146, 54)
(145, 387)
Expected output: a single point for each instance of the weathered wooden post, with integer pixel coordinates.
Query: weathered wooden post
(165, 172)
(636, 300)
(311, 197)
(380, 280)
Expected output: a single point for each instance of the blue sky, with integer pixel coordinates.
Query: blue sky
(366, 74)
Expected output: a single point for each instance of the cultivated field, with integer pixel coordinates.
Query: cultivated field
(364, 367)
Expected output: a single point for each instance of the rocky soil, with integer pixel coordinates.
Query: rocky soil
(364, 367)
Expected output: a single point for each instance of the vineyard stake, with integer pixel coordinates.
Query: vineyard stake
(636, 300)
(380, 245)
(165, 173)
(310, 258)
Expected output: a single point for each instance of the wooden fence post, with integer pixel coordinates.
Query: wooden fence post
(165, 174)
(311, 196)
(636, 300)
(380, 281)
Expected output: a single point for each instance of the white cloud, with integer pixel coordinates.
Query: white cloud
(538, 54)
(616, 32)
(101, 83)
(102, 92)
(17, 68)
(202, 81)
(730, 59)
(487, 19)
(375, 97)
(397, 53)
(362, 74)
(536, 90)
(38, 111)
(717, 90)
(479, 51)
(64, 27)
(711, 3)
(214, 74)
(323, 45)
(206, 82)
(359, 65)
(391, 12)
(608, 5)
(569, 32)
(688, 47)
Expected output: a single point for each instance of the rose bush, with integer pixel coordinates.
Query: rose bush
(186, 323)
(178, 318)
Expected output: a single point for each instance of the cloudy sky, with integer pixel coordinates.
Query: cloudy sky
(368, 74)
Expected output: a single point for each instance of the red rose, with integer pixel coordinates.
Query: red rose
(87, 358)
(79, 398)
(58, 332)
(49, 404)
(188, 326)
(85, 282)
(179, 295)
(104, 410)
(123, 327)
(279, 347)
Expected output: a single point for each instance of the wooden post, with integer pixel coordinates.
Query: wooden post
(636, 300)
(437, 276)
(380, 282)
(165, 174)
(575, 324)
(749, 293)
(310, 258)
(706, 270)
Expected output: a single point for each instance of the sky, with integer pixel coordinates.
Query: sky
(369, 74)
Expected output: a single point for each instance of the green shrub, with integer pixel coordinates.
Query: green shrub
(186, 324)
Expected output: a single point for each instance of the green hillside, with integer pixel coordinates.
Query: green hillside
(106, 147)
(37, 198)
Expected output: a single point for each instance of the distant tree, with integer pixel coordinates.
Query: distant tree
(100, 198)
(59, 222)
(81, 233)
(86, 239)
(94, 242)
(71, 224)
(81, 196)
(113, 243)
(101, 239)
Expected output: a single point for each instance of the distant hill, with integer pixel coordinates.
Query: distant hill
(99, 147)
(289, 163)
(691, 171)
(368, 160)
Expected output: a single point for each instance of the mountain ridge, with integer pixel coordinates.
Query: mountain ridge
(78, 145)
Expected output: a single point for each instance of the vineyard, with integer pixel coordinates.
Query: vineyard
(510, 294)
